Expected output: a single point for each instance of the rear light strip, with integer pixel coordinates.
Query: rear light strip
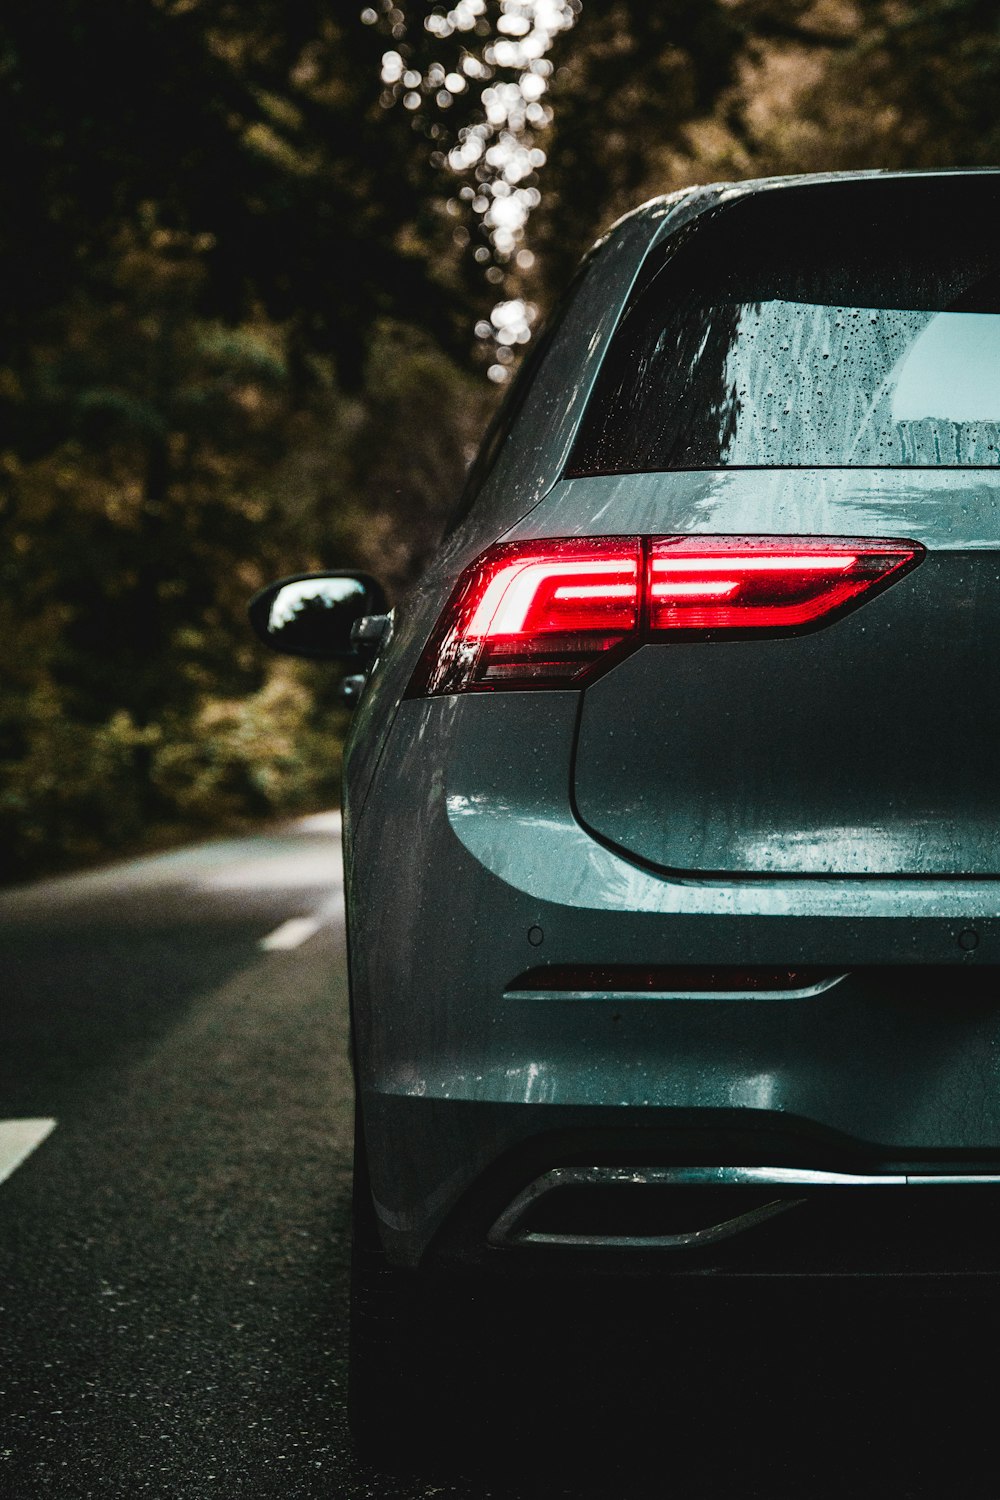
(553, 613)
(527, 596)
(677, 980)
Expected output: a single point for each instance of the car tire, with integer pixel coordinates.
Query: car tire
(387, 1378)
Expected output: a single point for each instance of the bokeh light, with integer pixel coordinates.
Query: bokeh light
(503, 65)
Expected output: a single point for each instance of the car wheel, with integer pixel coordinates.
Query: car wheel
(387, 1378)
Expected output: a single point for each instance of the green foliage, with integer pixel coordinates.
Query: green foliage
(76, 791)
(826, 85)
(241, 758)
(69, 792)
(418, 425)
(161, 466)
(634, 76)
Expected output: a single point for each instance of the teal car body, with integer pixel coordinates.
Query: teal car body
(686, 961)
(824, 803)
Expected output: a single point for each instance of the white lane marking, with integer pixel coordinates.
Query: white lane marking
(18, 1138)
(291, 934)
(298, 930)
(324, 822)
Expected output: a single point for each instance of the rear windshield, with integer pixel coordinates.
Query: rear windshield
(853, 324)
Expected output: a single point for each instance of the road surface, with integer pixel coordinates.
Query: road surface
(174, 1203)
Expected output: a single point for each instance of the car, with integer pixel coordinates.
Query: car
(671, 811)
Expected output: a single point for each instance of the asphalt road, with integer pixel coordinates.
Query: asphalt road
(173, 1253)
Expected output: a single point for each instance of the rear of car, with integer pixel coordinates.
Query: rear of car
(673, 879)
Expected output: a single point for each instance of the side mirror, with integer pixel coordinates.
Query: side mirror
(314, 615)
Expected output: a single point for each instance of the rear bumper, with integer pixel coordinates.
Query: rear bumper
(460, 1184)
(469, 869)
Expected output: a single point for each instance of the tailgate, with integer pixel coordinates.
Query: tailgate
(869, 747)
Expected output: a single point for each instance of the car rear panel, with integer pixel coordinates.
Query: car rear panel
(868, 748)
(461, 1063)
(821, 803)
(865, 747)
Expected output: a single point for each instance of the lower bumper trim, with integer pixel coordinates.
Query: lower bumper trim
(508, 1229)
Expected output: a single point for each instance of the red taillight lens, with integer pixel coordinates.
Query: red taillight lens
(547, 614)
(534, 614)
(764, 583)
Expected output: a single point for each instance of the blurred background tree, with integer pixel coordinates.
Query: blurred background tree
(266, 267)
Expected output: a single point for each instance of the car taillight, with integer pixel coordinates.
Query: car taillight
(534, 614)
(553, 613)
(736, 583)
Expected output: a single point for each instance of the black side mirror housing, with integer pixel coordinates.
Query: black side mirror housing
(315, 614)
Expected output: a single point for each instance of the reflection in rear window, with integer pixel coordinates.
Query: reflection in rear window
(853, 324)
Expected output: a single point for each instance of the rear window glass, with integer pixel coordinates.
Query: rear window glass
(852, 324)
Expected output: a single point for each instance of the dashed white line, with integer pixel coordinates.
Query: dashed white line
(291, 934)
(324, 822)
(18, 1138)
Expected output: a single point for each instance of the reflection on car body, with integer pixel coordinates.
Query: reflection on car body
(671, 808)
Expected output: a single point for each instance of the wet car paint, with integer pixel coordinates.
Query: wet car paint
(471, 862)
